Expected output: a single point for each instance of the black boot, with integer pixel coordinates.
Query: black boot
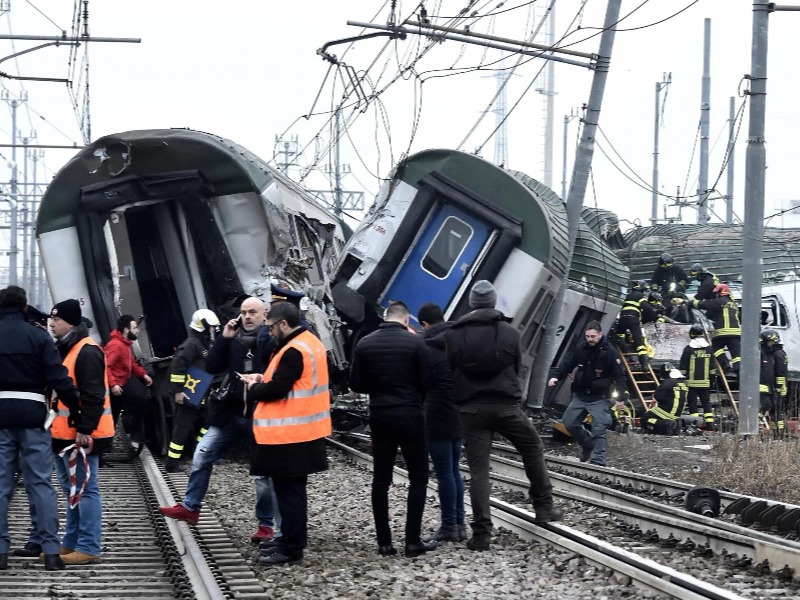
(53, 562)
(644, 360)
(31, 549)
(4, 562)
(415, 549)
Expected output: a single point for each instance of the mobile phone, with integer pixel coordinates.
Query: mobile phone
(238, 323)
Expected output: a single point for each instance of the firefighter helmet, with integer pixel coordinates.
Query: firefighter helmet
(696, 269)
(666, 369)
(770, 335)
(203, 320)
(696, 330)
(665, 259)
(722, 289)
(654, 297)
(639, 284)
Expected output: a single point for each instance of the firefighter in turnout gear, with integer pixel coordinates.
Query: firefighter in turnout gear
(193, 351)
(707, 282)
(668, 278)
(724, 313)
(671, 396)
(696, 366)
(766, 380)
(771, 345)
(635, 311)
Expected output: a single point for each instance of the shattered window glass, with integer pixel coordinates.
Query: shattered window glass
(447, 246)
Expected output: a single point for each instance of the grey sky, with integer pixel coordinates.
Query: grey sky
(248, 71)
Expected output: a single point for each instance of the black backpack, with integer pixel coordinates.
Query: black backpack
(486, 361)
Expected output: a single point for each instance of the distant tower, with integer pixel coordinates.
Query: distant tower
(501, 112)
(548, 34)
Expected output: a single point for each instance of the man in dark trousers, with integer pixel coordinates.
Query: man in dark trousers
(290, 422)
(192, 352)
(127, 378)
(442, 427)
(392, 365)
(29, 367)
(244, 347)
(599, 377)
(483, 351)
(671, 394)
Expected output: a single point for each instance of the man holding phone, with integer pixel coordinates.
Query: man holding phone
(244, 347)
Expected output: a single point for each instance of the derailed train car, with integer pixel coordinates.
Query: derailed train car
(446, 219)
(162, 222)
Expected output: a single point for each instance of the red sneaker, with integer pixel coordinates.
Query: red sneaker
(262, 534)
(180, 513)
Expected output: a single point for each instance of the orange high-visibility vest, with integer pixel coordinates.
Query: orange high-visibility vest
(61, 429)
(305, 413)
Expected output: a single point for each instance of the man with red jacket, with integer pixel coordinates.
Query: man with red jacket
(127, 378)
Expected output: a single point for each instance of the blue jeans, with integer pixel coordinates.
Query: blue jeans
(210, 449)
(446, 457)
(34, 448)
(601, 419)
(84, 528)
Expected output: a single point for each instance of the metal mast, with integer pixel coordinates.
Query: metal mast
(501, 112)
(705, 110)
(660, 85)
(729, 168)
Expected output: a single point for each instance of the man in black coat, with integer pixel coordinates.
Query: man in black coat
(392, 365)
(442, 427)
(244, 347)
(599, 377)
(483, 351)
(29, 368)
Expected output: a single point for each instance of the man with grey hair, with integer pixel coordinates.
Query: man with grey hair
(483, 351)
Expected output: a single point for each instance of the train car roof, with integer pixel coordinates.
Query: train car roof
(227, 166)
(595, 269)
(717, 246)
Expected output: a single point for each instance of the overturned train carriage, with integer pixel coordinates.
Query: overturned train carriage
(163, 222)
(446, 219)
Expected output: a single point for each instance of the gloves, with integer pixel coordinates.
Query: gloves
(695, 303)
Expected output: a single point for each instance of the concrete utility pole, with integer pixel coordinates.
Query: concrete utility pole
(755, 179)
(577, 191)
(660, 85)
(705, 111)
(729, 167)
(549, 93)
(567, 118)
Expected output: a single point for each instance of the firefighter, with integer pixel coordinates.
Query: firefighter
(766, 379)
(635, 311)
(696, 366)
(707, 282)
(668, 278)
(724, 313)
(187, 417)
(671, 396)
(659, 312)
(771, 340)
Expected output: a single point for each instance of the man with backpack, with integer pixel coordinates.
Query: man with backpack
(483, 351)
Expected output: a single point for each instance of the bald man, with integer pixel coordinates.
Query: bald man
(243, 347)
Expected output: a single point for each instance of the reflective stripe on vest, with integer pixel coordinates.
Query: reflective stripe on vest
(23, 396)
(105, 427)
(305, 413)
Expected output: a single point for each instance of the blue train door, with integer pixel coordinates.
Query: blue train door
(440, 260)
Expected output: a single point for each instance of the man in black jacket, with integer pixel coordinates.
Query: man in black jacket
(392, 365)
(29, 367)
(599, 377)
(483, 352)
(442, 427)
(244, 347)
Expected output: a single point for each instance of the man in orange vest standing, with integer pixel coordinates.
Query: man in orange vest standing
(290, 422)
(88, 425)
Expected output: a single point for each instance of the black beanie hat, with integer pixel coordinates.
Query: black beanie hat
(68, 310)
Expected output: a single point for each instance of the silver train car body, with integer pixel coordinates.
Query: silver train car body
(445, 219)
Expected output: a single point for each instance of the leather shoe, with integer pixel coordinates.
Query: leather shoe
(279, 558)
(387, 550)
(30, 550)
(420, 548)
(445, 534)
(548, 515)
(477, 544)
(585, 453)
(53, 562)
(4, 562)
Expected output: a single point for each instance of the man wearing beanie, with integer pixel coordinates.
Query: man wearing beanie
(483, 351)
(89, 425)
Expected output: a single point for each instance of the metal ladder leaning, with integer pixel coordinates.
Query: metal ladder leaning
(644, 382)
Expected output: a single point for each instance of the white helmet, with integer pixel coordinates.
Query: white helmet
(203, 319)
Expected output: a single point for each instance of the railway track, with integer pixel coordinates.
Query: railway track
(642, 572)
(144, 554)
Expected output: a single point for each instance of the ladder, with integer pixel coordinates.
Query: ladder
(643, 382)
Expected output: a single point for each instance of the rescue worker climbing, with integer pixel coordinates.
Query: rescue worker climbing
(724, 313)
(671, 396)
(696, 366)
(188, 418)
(766, 381)
(707, 282)
(668, 278)
(772, 382)
(635, 311)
